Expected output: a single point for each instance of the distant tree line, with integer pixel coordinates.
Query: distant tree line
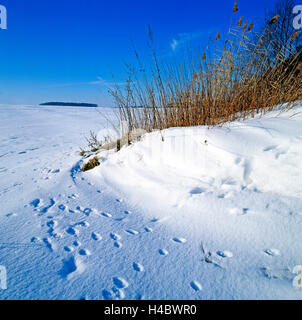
(68, 104)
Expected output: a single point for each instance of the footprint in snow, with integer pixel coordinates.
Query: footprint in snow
(72, 231)
(120, 282)
(95, 236)
(119, 293)
(179, 240)
(118, 244)
(114, 294)
(107, 295)
(70, 267)
(11, 215)
(82, 224)
(196, 285)
(87, 211)
(35, 240)
(225, 254)
(197, 190)
(107, 215)
(76, 243)
(35, 203)
(138, 267)
(68, 249)
(272, 252)
(115, 236)
(163, 252)
(46, 209)
(84, 252)
(48, 244)
(132, 232)
(62, 207)
(52, 223)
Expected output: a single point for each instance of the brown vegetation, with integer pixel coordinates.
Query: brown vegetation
(233, 79)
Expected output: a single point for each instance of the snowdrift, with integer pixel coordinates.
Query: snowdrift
(262, 154)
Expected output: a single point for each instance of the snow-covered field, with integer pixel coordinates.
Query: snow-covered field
(188, 213)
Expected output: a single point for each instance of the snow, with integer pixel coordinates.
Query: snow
(185, 213)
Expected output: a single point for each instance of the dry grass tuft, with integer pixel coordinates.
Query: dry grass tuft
(234, 79)
(92, 163)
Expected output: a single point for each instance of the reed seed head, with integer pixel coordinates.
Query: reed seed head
(294, 35)
(239, 24)
(235, 8)
(273, 20)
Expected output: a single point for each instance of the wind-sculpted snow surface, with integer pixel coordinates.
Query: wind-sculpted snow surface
(188, 213)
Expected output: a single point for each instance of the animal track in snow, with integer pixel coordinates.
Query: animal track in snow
(70, 267)
(62, 207)
(48, 243)
(179, 240)
(76, 243)
(72, 231)
(84, 252)
(119, 293)
(46, 209)
(86, 211)
(107, 215)
(163, 252)
(118, 244)
(138, 267)
(196, 191)
(132, 232)
(196, 285)
(52, 224)
(68, 249)
(82, 224)
(120, 282)
(115, 236)
(35, 240)
(35, 203)
(11, 215)
(272, 252)
(107, 295)
(95, 236)
(225, 254)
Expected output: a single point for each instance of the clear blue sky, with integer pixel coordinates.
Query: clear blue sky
(67, 50)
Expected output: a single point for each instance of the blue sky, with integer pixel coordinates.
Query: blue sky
(68, 50)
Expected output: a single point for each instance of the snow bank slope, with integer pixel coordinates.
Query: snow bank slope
(262, 154)
(233, 192)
